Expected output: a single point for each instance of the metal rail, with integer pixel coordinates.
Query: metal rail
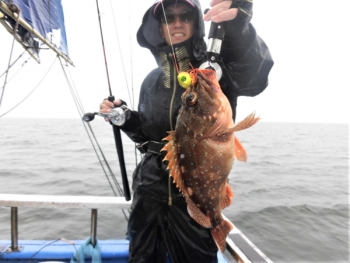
(50, 201)
(239, 246)
(14, 229)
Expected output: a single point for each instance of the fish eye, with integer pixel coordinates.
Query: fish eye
(191, 98)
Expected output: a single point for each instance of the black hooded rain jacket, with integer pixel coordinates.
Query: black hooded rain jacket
(156, 227)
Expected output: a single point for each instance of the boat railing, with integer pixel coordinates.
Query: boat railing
(238, 245)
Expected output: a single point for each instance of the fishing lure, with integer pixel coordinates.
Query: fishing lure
(184, 79)
(189, 78)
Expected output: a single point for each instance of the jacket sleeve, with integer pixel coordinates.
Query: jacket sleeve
(133, 124)
(133, 127)
(245, 59)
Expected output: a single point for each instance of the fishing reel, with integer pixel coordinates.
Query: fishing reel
(116, 115)
(216, 36)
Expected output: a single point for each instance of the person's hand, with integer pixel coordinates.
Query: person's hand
(106, 106)
(222, 11)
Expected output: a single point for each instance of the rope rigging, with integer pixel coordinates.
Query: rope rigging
(30, 93)
(10, 58)
(111, 178)
(96, 146)
(13, 63)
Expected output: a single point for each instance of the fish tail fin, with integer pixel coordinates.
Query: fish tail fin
(220, 233)
(240, 152)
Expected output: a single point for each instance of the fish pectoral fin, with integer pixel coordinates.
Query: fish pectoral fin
(225, 135)
(240, 152)
(227, 197)
(197, 214)
(249, 121)
(220, 233)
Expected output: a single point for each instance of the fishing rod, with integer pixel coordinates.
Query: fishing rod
(114, 119)
(215, 38)
(217, 34)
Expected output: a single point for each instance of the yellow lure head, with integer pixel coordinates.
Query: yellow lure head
(184, 79)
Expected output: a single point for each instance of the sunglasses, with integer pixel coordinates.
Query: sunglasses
(185, 16)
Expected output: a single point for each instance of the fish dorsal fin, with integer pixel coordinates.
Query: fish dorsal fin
(240, 152)
(173, 165)
(249, 121)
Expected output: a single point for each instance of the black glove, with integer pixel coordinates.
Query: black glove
(236, 27)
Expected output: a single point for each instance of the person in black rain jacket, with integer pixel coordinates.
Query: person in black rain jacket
(159, 223)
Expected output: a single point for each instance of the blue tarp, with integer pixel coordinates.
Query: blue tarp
(46, 17)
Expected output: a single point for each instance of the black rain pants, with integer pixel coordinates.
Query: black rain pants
(156, 229)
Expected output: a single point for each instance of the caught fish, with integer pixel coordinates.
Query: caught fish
(201, 152)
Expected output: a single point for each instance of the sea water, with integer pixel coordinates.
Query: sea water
(291, 196)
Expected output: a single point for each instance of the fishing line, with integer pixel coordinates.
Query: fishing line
(88, 128)
(132, 99)
(75, 98)
(31, 91)
(171, 43)
(81, 112)
(132, 80)
(94, 142)
(121, 56)
(116, 129)
(131, 65)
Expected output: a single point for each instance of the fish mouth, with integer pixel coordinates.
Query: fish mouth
(212, 90)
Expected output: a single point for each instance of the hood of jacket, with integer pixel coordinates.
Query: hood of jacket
(148, 35)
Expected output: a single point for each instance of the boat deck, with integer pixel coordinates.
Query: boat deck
(116, 251)
(239, 247)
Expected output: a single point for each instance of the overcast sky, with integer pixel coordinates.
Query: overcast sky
(309, 42)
